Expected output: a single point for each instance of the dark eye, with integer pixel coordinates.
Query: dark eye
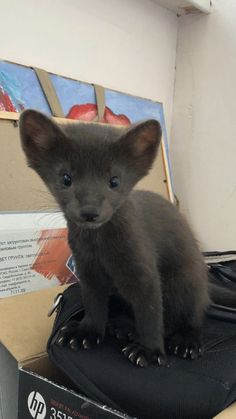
(114, 182)
(66, 178)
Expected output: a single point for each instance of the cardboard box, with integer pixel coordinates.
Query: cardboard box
(26, 374)
(30, 386)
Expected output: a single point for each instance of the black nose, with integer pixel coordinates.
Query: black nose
(88, 214)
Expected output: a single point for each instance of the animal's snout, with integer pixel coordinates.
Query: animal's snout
(89, 214)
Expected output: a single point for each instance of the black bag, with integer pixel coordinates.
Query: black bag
(186, 390)
(222, 271)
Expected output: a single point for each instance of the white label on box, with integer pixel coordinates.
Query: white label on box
(33, 258)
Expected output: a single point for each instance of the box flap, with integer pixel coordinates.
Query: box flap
(25, 326)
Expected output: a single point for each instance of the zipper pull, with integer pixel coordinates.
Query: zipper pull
(55, 305)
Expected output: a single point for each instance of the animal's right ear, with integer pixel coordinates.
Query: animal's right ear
(139, 146)
(38, 133)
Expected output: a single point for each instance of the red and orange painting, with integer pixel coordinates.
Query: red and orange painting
(53, 255)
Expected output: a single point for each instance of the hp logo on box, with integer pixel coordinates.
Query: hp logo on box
(37, 405)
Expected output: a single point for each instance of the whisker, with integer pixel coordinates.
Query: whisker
(50, 219)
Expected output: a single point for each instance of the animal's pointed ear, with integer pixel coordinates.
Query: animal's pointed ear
(140, 144)
(144, 137)
(38, 133)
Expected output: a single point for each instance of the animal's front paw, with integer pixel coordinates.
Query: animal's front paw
(143, 357)
(78, 335)
(185, 346)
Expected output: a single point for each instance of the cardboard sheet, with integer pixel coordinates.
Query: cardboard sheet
(25, 326)
(20, 187)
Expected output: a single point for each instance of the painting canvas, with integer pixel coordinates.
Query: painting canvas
(20, 89)
(79, 102)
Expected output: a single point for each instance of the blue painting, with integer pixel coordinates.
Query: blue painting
(20, 89)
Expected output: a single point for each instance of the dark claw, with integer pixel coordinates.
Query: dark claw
(63, 328)
(186, 352)
(77, 335)
(122, 328)
(143, 356)
(125, 350)
(186, 346)
(132, 357)
(141, 362)
(86, 344)
(73, 345)
(176, 350)
(60, 341)
(162, 361)
(193, 354)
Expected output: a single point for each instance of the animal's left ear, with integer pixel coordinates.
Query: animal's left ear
(39, 135)
(145, 137)
(140, 144)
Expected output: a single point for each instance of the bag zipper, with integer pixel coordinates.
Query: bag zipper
(55, 306)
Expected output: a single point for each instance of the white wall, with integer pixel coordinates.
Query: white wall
(128, 45)
(203, 144)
